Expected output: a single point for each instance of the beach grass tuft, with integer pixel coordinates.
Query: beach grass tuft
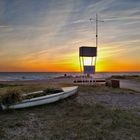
(10, 97)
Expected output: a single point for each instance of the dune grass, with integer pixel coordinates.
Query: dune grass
(70, 120)
(126, 77)
(8, 85)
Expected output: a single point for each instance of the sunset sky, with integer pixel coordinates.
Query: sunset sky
(45, 35)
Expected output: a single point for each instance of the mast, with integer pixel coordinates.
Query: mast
(96, 27)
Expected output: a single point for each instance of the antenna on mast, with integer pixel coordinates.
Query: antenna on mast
(96, 26)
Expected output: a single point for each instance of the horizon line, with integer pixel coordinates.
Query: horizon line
(65, 71)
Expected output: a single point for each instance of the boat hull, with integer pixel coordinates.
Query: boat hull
(68, 91)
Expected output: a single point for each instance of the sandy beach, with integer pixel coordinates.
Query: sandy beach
(104, 111)
(127, 96)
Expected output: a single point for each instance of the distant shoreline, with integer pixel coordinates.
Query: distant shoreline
(35, 77)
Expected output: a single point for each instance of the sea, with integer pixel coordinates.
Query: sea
(26, 76)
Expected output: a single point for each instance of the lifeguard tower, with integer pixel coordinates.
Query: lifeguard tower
(88, 58)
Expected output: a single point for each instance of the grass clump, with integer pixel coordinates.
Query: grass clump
(45, 92)
(52, 90)
(11, 96)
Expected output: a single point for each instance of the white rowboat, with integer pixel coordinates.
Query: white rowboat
(67, 91)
